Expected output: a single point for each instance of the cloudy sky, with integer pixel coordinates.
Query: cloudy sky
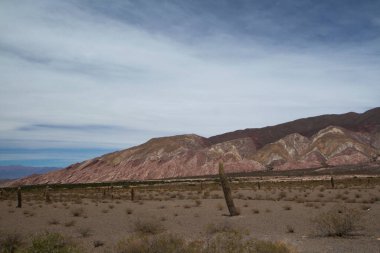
(82, 78)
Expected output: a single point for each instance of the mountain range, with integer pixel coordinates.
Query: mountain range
(315, 142)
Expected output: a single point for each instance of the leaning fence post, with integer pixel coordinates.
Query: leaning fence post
(227, 191)
(19, 197)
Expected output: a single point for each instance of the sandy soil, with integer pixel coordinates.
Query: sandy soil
(265, 214)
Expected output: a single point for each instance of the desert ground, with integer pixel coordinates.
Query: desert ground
(291, 213)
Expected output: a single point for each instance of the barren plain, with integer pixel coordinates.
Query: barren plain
(101, 219)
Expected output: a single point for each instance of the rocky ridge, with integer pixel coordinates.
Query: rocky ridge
(306, 143)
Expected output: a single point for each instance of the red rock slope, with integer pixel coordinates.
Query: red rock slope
(327, 140)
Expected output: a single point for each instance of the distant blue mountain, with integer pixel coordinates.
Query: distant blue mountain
(17, 171)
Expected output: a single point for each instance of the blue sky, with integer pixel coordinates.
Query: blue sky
(82, 78)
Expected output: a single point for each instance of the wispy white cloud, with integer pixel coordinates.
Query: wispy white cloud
(68, 64)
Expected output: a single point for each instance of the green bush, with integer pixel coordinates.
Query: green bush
(52, 243)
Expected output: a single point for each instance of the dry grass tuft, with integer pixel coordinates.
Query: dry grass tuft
(69, 223)
(53, 222)
(77, 212)
(85, 232)
(289, 229)
(98, 243)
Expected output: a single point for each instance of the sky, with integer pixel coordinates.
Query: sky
(82, 78)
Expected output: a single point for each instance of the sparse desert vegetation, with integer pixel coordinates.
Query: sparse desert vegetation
(337, 221)
(10, 242)
(282, 216)
(52, 242)
(148, 227)
(223, 242)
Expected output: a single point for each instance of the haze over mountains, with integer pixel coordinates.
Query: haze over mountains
(321, 141)
(17, 171)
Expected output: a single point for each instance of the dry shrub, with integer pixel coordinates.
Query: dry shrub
(147, 227)
(338, 221)
(236, 242)
(272, 247)
(228, 242)
(98, 243)
(289, 229)
(281, 195)
(365, 207)
(85, 231)
(222, 227)
(28, 213)
(10, 242)
(77, 212)
(69, 223)
(164, 243)
(206, 194)
(53, 222)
